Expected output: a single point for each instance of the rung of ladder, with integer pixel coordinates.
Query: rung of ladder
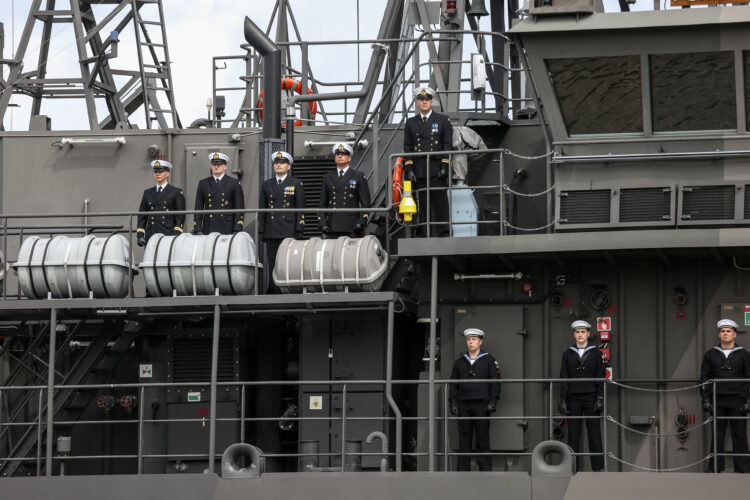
(155, 23)
(150, 44)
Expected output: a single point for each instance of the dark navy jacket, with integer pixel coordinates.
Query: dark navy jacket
(484, 367)
(289, 194)
(170, 198)
(717, 366)
(587, 366)
(226, 194)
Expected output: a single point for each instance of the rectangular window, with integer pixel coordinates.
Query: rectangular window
(598, 95)
(693, 91)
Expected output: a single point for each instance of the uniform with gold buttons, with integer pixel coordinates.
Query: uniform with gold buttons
(161, 198)
(429, 131)
(217, 193)
(344, 188)
(280, 191)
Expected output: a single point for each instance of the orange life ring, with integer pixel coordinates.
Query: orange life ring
(398, 181)
(289, 84)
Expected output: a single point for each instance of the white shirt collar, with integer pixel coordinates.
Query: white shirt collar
(217, 178)
(427, 115)
(280, 179)
(342, 170)
(162, 186)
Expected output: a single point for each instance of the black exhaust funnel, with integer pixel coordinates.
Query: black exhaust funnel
(271, 54)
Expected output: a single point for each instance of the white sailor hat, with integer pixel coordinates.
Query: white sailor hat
(161, 165)
(727, 322)
(343, 148)
(423, 93)
(473, 332)
(217, 157)
(283, 156)
(580, 324)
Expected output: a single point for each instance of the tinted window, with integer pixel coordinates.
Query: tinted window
(598, 95)
(693, 91)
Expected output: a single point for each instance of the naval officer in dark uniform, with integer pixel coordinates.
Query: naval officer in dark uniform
(425, 132)
(344, 188)
(280, 191)
(474, 400)
(215, 192)
(727, 361)
(583, 360)
(160, 198)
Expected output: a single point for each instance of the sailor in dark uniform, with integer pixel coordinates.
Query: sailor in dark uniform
(429, 131)
(215, 192)
(160, 198)
(474, 400)
(583, 360)
(727, 361)
(344, 188)
(280, 191)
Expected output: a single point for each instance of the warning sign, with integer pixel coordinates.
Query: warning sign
(747, 315)
(316, 402)
(608, 373)
(147, 371)
(604, 323)
(194, 397)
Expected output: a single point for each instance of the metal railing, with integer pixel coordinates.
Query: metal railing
(502, 189)
(44, 461)
(130, 227)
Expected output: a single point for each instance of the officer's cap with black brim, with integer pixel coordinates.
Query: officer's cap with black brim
(282, 156)
(161, 166)
(423, 93)
(218, 158)
(342, 148)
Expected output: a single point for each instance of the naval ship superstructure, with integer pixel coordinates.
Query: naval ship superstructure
(606, 180)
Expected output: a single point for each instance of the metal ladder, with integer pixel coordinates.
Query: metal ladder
(156, 75)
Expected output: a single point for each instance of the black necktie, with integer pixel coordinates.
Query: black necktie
(158, 189)
(341, 173)
(424, 119)
(278, 181)
(216, 179)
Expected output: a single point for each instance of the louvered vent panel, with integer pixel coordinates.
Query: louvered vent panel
(585, 207)
(645, 204)
(708, 202)
(311, 173)
(747, 201)
(191, 360)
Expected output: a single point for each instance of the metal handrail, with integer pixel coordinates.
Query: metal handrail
(445, 418)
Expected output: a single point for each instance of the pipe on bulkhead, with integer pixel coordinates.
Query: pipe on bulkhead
(271, 54)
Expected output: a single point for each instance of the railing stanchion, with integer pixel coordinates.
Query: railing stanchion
(242, 415)
(604, 427)
(214, 377)
(51, 389)
(343, 428)
(445, 427)
(141, 401)
(38, 434)
(716, 444)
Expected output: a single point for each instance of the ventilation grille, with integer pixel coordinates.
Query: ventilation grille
(747, 202)
(585, 207)
(311, 173)
(191, 359)
(708, 202)
(645, 204)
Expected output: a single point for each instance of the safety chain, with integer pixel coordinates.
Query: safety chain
(672, 469)
(522, 157)
(644, 389)
(528, 195)
(508, 224)
(659, 434)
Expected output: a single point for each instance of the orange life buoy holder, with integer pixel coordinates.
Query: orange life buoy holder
(398, 182)
(289, 84)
